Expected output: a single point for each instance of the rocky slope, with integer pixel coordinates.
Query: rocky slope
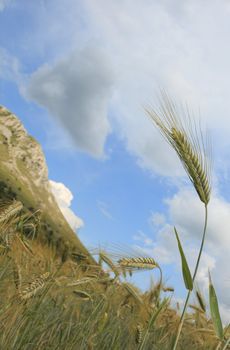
(24, 175)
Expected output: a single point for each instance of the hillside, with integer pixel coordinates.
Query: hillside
(24, 176)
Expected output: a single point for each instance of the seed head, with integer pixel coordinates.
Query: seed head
(188, 142)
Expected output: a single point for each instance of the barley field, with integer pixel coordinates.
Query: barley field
(50, 301)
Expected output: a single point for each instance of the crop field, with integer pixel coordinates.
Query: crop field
(48, 301)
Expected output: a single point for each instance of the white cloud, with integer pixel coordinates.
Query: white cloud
(187, 212)
(157, 219)
(64, 198)
(179, 47)
(76, 90)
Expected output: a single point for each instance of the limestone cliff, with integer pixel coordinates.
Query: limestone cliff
(24, 175)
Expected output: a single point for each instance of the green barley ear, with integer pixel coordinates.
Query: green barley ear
(188, 142)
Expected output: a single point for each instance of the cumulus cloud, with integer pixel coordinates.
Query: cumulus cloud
(188, 212)
(178, 47)
(64, 198)
(76, 90)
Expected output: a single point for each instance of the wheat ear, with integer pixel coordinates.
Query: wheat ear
(104, 257)
(133, 292)
(139, 334)
(138, 263)
(192, 164)
(188, 143)
(10, 211)
(34, 286)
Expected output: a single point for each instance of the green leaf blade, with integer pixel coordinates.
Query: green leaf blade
(214, 308)
(185, 268)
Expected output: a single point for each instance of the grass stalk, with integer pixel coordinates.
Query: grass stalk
(226, 344)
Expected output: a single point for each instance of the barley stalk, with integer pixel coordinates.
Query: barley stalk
(192, 151)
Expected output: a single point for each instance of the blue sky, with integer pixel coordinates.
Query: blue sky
(78, 74)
